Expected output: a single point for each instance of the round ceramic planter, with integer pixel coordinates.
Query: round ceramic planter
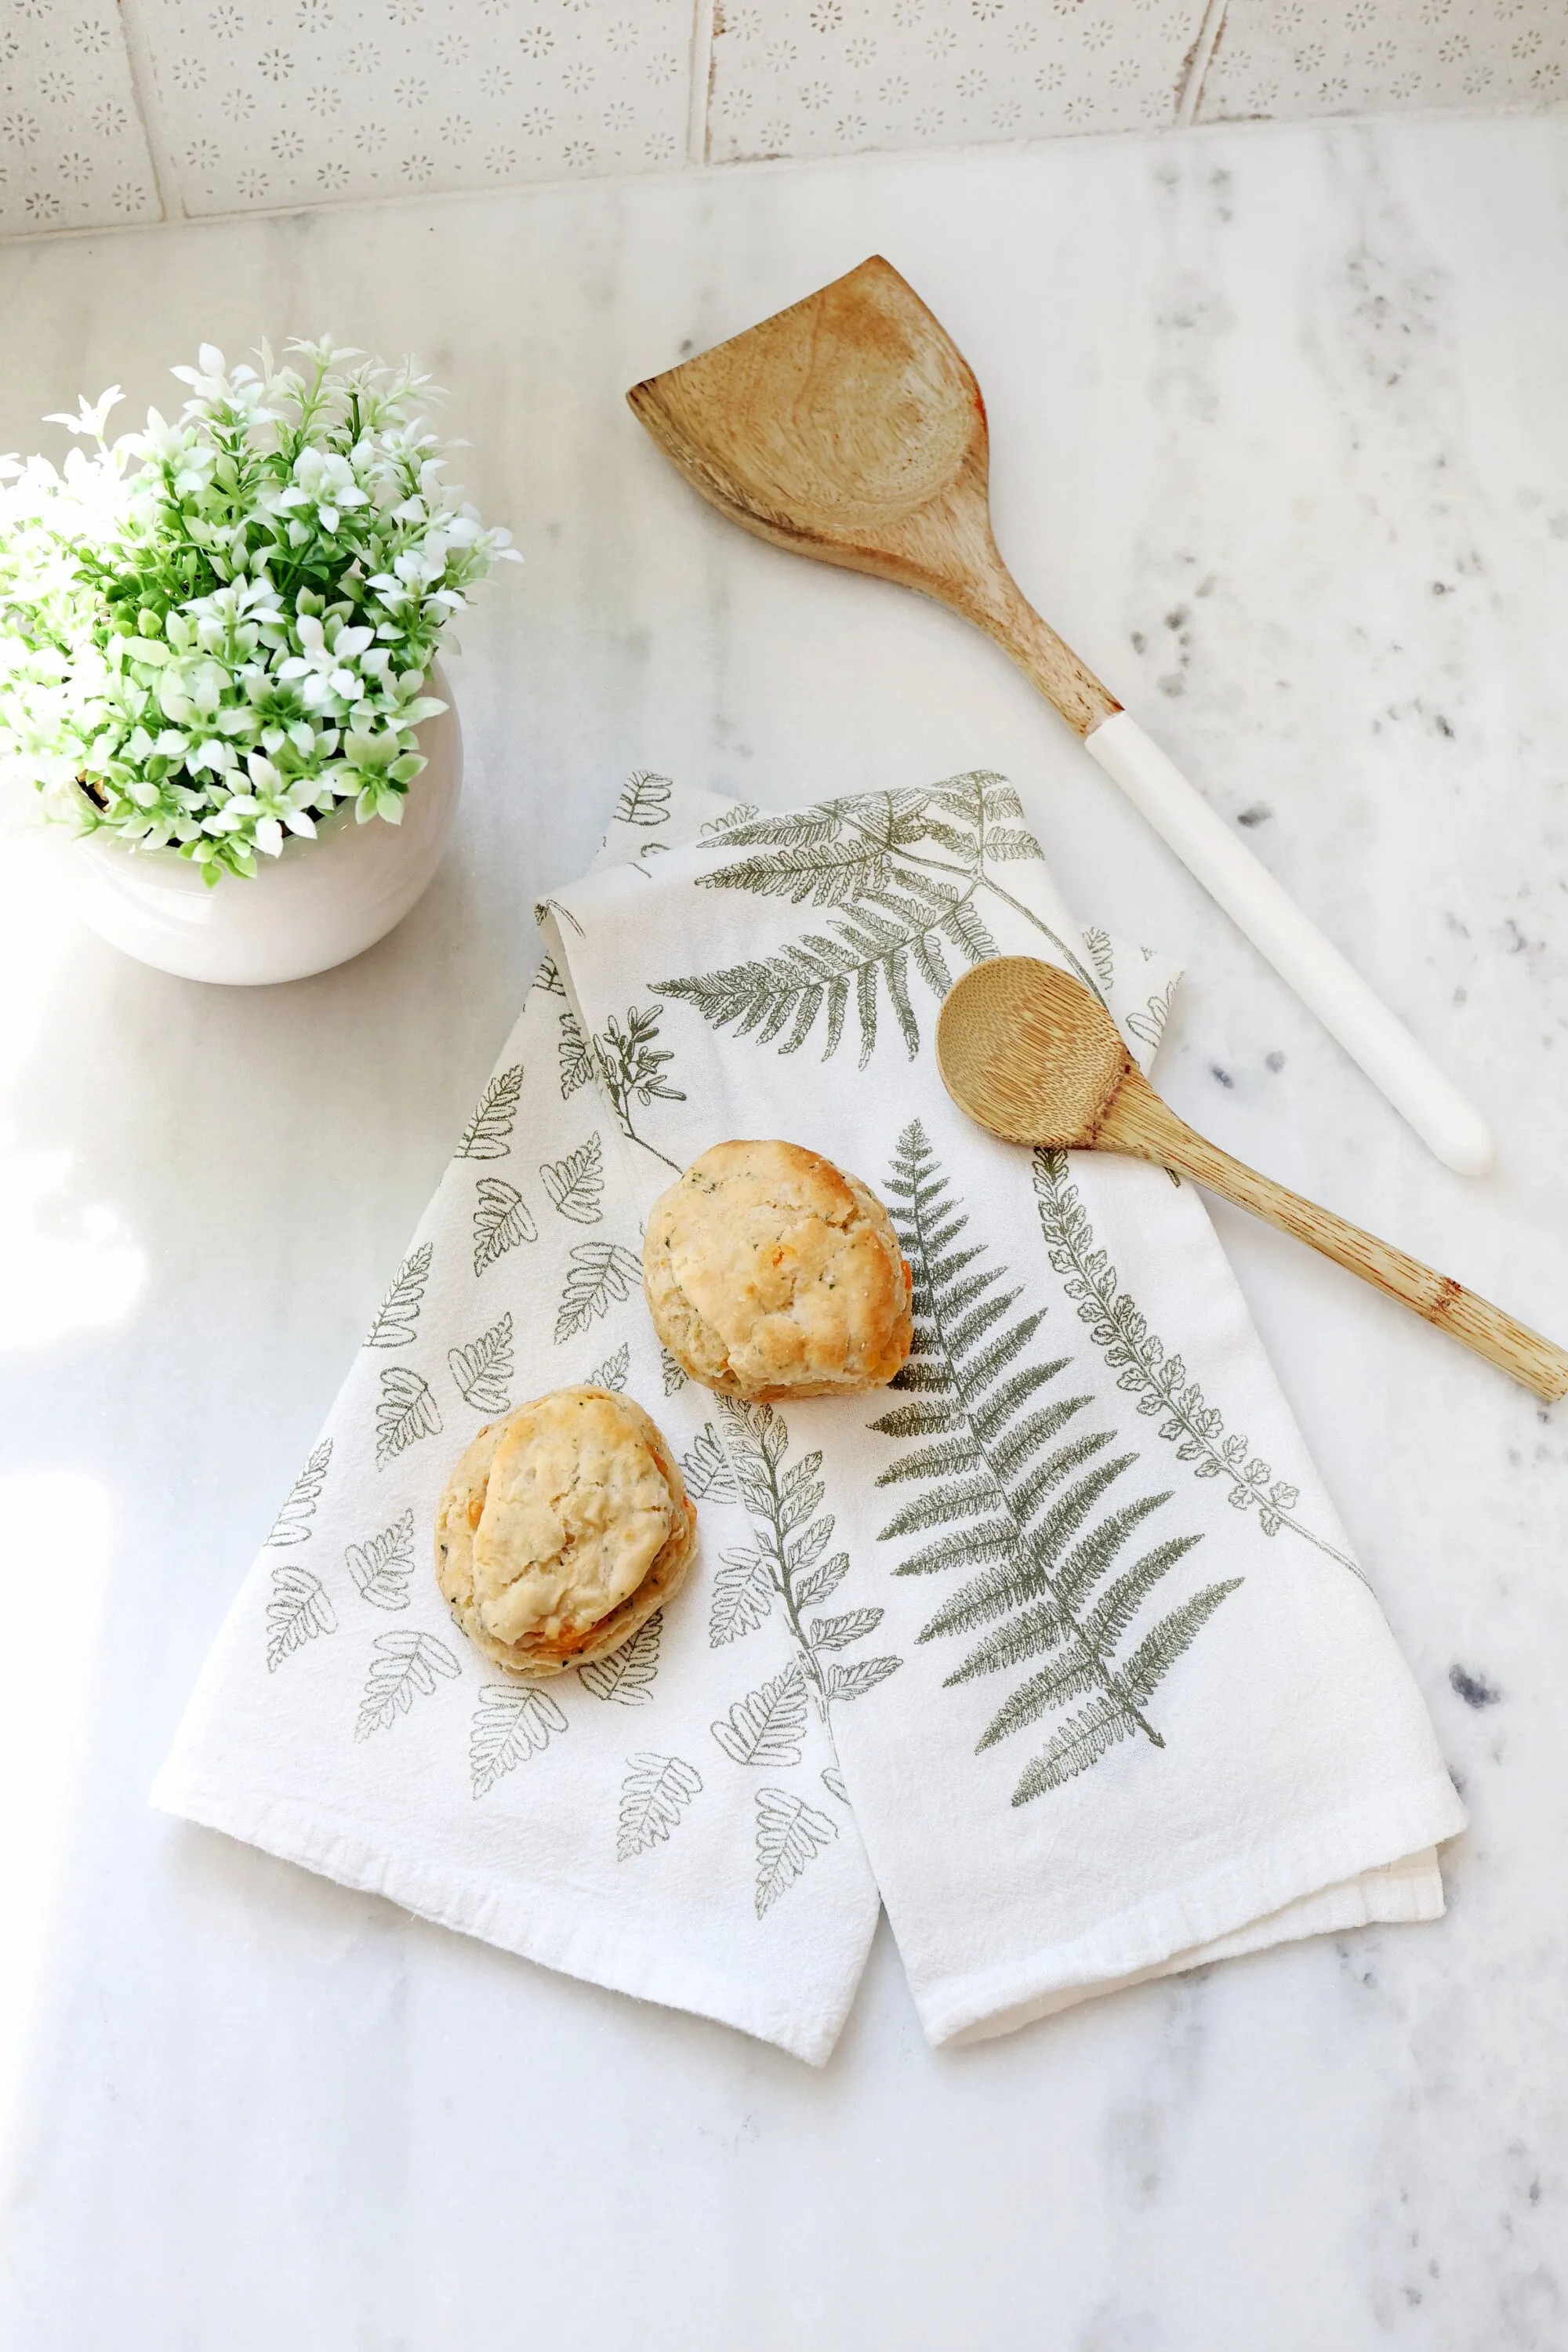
(317, 904)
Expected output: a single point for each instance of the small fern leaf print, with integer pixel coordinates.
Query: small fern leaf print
(861, 1674)
(407, 1412)
(399, 1311)
(822, 1582)
(510, 1725)
(576, 1184)
(837, 1632)
(548, 980)
(705, 1469)
(653, 1795)
(833, 1781)
(674, 1374)
(644, 801)
(789, 1833)
(577, 1063)
(404, 1665)
(767, 1726)
(483, 1372)
(293, 1524)
(742, 1596)
(381, 1566)
(1078, 1742)
(1101, 955)
(602, 1274)
(297, 1610)
(488, 1135)
(627, 1674)
(502, 1219)
(615, 1371)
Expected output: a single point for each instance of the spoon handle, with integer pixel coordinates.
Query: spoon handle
(1140, 1125)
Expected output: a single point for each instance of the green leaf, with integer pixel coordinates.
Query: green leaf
(576, 1184)
(705, 1469)
(512, 1722)
(789, 1833)
(488, 1135)
(483, 1372)
(502, 1219)
(627, 1674)
(399, 1310)
(407, 1412)
(403, 1666)
(1158, 1650)
(613, 1372)
(1079, 1742)
(653, 1795)
(382, 1566)
(297, 1610)
(602, 1274)
(742, 1596)
(766, 1726)
(644, 801)
(576, 1064)
(837, 1632)
(855, 1679)
(292, 1525)
(821, 1583)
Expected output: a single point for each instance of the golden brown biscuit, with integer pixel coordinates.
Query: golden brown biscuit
(561, 1531)
(769, 1273)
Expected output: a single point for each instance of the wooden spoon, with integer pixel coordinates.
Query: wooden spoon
(1027, 1051)
(850, 428)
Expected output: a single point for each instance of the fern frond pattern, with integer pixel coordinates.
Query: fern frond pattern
(788, 1561)
(1016, 1492)
(1146, 1371)
(902, 873)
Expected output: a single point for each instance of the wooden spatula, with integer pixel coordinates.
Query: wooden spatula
(1027, 1051)
(850, 428)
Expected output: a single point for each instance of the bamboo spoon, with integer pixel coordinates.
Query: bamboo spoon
(850, 428)
(1027, 1051)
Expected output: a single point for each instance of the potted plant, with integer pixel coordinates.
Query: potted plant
(218, 645)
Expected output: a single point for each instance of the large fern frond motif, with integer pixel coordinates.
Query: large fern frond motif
(901, 872)
(1144, 1368)
(1016, 1490)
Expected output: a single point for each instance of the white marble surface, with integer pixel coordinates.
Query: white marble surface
(1281, 442)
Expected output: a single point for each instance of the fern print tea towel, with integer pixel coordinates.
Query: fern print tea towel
(669, 1822)
(1109, 1695)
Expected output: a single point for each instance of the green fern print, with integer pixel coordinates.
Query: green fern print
(902, 872)
(1146, 1371)
(786, 1562)
(631, 1065)
(1009, 1489)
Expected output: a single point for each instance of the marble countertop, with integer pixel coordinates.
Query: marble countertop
(1281, 442)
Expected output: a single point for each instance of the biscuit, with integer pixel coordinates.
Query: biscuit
(770, 1273)
(561, 1531)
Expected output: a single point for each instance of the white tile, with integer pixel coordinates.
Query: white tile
(828, 77)
(283, 102)
(1295, 57)
(73, 154)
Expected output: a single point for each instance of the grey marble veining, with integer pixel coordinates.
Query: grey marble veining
(1280, 445)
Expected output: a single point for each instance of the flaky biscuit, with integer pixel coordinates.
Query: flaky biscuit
(770, 1273)
(548, 1516)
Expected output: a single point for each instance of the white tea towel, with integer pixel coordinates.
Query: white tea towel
(1107, 1692)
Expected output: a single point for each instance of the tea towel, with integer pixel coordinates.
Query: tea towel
(687, 1821)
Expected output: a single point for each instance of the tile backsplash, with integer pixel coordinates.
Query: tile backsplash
(176, 108)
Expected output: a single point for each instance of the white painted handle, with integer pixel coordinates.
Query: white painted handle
(1320, 975)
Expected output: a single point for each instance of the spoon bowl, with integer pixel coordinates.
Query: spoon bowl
(1031, 1055)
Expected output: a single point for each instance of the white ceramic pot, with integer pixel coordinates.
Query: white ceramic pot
(317, 904)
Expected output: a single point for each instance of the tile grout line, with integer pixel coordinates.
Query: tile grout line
(144, 88)
(701, 81)
(1197, 70)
